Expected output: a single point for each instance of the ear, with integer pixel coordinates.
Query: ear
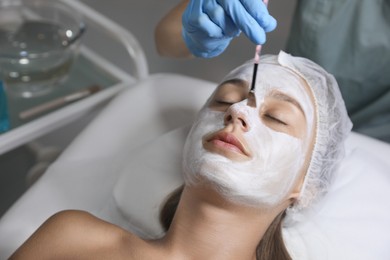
(293, 196)
(296, 191)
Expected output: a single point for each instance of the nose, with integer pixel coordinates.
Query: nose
(237, 118)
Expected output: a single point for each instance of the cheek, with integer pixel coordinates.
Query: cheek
(275, 152)
(283, 117)
(207, 121)
(300, 129)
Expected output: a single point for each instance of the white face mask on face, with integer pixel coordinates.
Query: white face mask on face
(269, 175)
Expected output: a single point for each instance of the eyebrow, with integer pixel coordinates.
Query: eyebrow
(233, 85)
(283, 97)
(235, 82)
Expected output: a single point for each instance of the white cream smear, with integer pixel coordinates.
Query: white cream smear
(277, 158)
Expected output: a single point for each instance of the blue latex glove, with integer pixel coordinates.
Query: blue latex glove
(210, 25)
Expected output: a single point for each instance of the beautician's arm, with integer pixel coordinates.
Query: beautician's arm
(209, 26)
(167, 34)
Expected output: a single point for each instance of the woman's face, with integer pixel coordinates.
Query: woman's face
(253, 155)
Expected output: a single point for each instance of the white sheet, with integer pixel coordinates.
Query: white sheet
(76, 179)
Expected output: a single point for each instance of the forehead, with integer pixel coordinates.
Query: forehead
(277, 78)
(270, 77)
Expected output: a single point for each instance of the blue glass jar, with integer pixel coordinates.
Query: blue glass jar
(4, 119)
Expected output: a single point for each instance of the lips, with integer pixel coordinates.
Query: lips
(227, 141)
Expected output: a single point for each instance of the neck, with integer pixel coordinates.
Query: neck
(206, 226)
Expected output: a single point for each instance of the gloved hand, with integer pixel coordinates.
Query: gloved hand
(210, 25)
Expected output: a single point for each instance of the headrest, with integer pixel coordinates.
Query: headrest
(350, 222)
(148, 178)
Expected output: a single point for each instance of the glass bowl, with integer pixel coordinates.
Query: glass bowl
(39, 40)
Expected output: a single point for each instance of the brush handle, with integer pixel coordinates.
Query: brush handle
(254, 77)
(42, 108)
(256, 60)
(58, 102)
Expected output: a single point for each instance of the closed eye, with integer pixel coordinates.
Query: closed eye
(225, 103)
(275, 119)
(220, 105)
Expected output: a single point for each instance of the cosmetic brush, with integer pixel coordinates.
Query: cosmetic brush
(59, 102)
(251, 96)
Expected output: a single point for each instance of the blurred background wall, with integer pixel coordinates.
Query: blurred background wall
(140, 17)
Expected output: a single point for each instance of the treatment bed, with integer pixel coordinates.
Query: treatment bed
(125, 163)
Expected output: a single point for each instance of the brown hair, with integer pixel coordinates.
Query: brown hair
(271, 246)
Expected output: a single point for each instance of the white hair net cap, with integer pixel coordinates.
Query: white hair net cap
(332, 126)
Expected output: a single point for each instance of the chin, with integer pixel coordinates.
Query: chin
(233, 184)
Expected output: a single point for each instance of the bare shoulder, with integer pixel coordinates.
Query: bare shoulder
(79, 221)
(90, 230)
(77, 234)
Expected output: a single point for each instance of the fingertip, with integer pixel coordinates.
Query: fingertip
(257, 37)
(270, 24)
(208, 55)
(205, 49)
(262, 40)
